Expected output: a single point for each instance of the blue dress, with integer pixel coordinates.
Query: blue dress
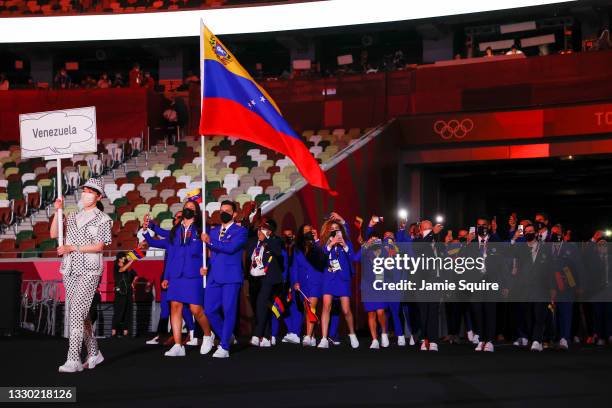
(337, 276)
(183, 263)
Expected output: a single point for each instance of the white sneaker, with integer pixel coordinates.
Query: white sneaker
(154, 340)
(423, 345)
(333, 342)
(470, 336)
(193, 340)
(433, 347)
(536, 346)
(291, 338)
(489, 347)
(306, 341)
(384, 340)
(207, 343)
(234, 340)
(479, 347)
(273, 340)
(92, 362)
(354, 341)
(323, 344)
(401, 341)
(521, 342)
(375, 345)
(601, 342)
(412, 342)
(255, 341)
(176, 351)
(71, 367)
(221, 353)
(476, 339)
(563, 344)
(265, 342)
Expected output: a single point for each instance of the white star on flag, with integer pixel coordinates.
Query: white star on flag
(262, 99)
(253, 102)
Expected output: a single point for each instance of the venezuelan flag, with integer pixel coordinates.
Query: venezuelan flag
(233, 104)
(136, 254)
(195, 195)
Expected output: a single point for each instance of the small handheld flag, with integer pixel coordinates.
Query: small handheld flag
(278, 308)
(135, 254)
(311, 312)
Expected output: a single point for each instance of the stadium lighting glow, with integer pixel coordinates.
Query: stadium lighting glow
(402, 214)
(171, 24)
(439, 219)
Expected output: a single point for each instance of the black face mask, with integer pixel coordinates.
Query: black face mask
(538, 225)
(225, 217)
(530, 236)
(482, 230)
(188, 213)
(556, 237)
(462, 239)
(288, 240)
(309, 236)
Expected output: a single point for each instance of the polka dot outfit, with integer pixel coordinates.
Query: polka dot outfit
(81, 274)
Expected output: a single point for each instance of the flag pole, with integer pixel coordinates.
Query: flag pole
(202, 149)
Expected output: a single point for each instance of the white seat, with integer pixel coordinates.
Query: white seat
(4, 183)
(229, 160)
(163, 174)
(147, 174)
(282, 163)
(110, 188)
(253, 191)
(316, 150)
(125, 188)
(253, 152)
(194, 184)
(184, 179)
(230, 181)
(30, 189)
(182, 193)
(212, 207)
(315, 139)
(5, 203)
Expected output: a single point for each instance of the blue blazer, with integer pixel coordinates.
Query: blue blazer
(345, 258)
(183, 260)
(226, 254)
(303, 272)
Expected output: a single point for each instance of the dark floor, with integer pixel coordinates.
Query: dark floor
(135, 374)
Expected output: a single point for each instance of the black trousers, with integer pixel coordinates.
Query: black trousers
(122, 311)
(533, 319)
(484, 315)
(429, 313)
(261, 296)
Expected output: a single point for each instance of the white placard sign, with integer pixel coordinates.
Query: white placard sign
(58, 133)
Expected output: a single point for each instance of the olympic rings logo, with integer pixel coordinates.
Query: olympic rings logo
(453, 128)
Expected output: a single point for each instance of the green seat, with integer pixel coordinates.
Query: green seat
(30, 183)
(119, 202)
(260, 198)
(9, 164)
(153, 181)
(211, 185)
(30, 253)
(113, 216)
(47, 244)
(173, 166)
(181, 145)
(15, 194)
(21, 235)
(164, 215)
(131, 175)
(25, 167)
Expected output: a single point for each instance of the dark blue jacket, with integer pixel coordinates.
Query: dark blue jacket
(183, 259)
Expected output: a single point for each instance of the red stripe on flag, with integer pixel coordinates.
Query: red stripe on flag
(226, 117)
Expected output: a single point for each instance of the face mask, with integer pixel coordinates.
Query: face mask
(188, 213)
(462, 239)
(288, 240)
(556, 238)
(483, 230)
(87, 200)
(225, 217)
(538, 225)
(309, 236)
(530, 236)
